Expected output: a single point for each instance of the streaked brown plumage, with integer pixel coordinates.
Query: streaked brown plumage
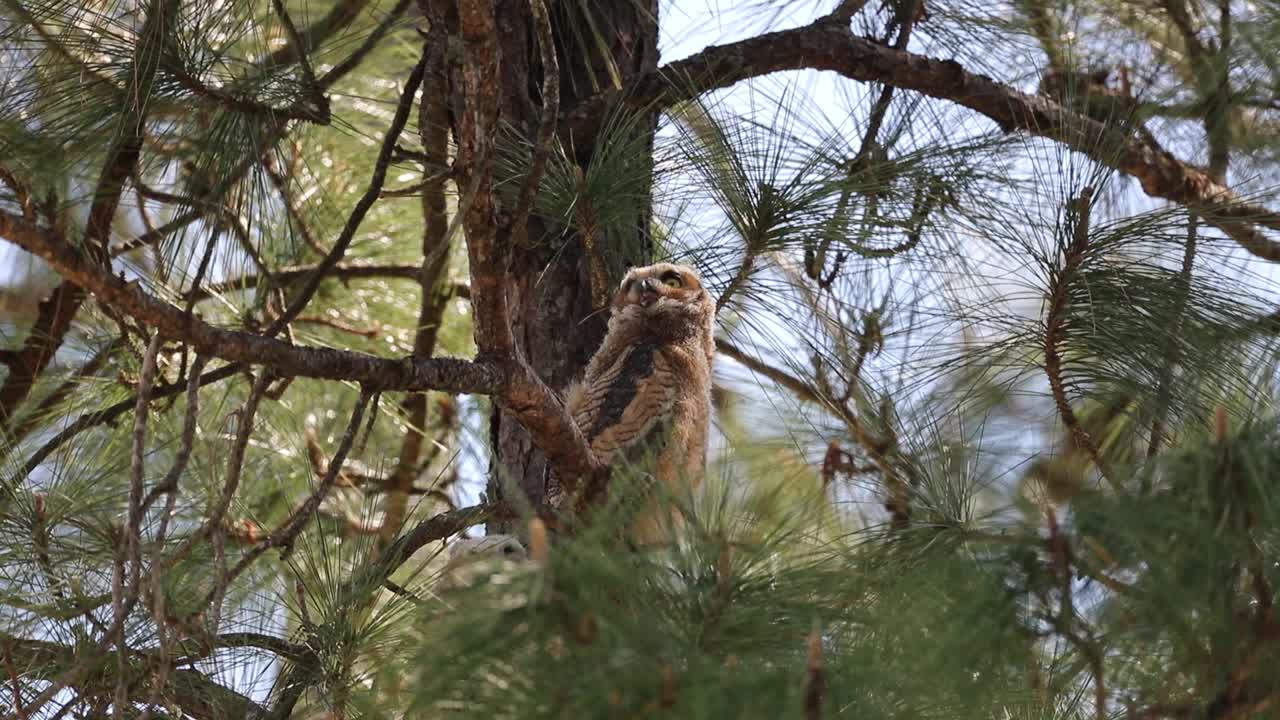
(644, 402)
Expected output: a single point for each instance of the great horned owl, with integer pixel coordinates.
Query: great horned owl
(645, 398)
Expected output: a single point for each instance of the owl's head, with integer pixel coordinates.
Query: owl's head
(664, 302)
(656, 288)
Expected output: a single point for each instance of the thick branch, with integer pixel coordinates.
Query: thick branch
(476, 130)
(827, 45)
(286, 359)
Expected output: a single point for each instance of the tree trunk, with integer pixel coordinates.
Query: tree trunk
(550, 291)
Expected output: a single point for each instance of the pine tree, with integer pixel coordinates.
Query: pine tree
(292, 291)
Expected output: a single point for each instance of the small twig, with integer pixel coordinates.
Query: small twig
(362, 206)
(341, 272)
(308, 73)
(16, 681)
(151, 237)
(590, 232)
(137, 470)
(367, 332)
(169, 485)
(281, 184)
(1163, 386)
(740, 277)
(319, 115)
(372, 41)
(213, 610)
(119, 612)
(815, 261)
(235, 466)
(1059, 290)
(284, 534)
(416, 189)
(124, 587)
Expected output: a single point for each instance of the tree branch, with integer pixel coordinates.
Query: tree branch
(339, 17)
(827, 45)
(287, 532)
(448, 374)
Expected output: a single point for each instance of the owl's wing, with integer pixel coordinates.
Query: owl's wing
(625, 410)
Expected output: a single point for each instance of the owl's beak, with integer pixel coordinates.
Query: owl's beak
(648, 293)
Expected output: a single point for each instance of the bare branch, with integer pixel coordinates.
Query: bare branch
(339, 17)
(845, 11)
(342, 272)
(370, 42)
(137, 459)
(235, 467)
(802, 389)
(169, 487)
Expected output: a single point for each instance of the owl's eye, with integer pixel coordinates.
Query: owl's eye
(672, 280)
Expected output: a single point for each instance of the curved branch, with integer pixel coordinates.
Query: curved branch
(1059, 291)
(830, 45)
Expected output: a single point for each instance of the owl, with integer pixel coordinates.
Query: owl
(474, 558)
(644, 401)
